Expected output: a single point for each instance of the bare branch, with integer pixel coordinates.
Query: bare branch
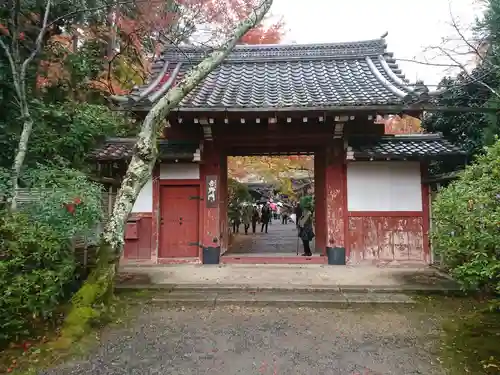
(38, 47)
(429, 63)
(466, 72)
(13, 67)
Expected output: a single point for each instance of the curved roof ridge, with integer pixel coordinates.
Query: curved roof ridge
(275, 52)
(379, 41)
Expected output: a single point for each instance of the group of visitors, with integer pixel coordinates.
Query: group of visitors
(250, 214)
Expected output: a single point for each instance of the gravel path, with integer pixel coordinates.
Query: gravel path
(270, 341)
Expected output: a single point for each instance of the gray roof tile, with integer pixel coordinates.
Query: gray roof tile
(404, 147)
(115, 149)
(290, 76)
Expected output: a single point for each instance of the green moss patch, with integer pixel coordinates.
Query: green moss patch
(471, 343)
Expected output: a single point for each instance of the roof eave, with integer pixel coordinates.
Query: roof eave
(362, 156)
(167, 157)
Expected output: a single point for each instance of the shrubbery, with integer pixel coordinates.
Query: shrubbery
(37, 264)
(466, 218)
(35, 268)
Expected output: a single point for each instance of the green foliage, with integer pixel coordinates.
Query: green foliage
(35, 269)
(65, 200)
(37, 265)
(64, 133)
(466, 218)
(471, 130)
(470, 343)
(237, 192)
(307, 202)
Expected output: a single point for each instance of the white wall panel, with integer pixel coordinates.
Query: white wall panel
(180, 171)
(384, 186)
(144, 202)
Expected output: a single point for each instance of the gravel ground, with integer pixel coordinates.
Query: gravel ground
(271, 341)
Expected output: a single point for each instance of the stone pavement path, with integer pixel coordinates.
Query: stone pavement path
(281, 239)
(248, 340)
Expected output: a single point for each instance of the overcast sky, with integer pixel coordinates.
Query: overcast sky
(413, 25)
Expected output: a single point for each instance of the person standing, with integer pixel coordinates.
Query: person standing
(247, 216)
(284, 215)
(255, 218)
(305, 225)
(265, 217)
(235, 217)
(298, 214)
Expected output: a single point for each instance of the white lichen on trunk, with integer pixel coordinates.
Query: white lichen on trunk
(145, 151)
(22, 149)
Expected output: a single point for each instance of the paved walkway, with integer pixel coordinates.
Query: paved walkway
(265, 276)
(280, 240)
(232, 340)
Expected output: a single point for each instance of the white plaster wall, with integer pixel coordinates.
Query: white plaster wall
(180, 171)
(144, 202)
(384, 186)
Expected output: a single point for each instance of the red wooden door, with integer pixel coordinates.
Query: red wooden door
(179, 221)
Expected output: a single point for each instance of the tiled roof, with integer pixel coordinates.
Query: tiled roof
(284, 76)
(115, 149)
(403, 147)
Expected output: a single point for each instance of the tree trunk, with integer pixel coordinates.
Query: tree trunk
(22, 149)
(18, 71)
(100, 283)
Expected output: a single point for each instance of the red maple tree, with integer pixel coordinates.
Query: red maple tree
(142, 30)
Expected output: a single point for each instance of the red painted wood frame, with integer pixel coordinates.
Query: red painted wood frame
(140, 218)
(346, 212)
(335, 181)
(320, 200)
(155, 224)
(157, 182)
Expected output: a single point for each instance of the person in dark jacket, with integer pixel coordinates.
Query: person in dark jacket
(255, 218)
(265, 217)
(298, 214)
(305, 225)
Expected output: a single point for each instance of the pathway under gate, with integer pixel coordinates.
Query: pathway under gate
(279, 245)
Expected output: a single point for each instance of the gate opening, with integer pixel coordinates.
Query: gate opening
(263, 207)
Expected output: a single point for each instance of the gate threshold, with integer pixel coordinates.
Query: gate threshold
(295, 259)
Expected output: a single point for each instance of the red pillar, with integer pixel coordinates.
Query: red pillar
(155, 222)
(320, 200)
(211, 160)
(223, 204)
(335, 190)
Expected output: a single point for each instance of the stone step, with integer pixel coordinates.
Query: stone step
(278, 299)
(340, 289)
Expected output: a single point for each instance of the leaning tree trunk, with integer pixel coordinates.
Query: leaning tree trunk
(22, 149)
(99, 285)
